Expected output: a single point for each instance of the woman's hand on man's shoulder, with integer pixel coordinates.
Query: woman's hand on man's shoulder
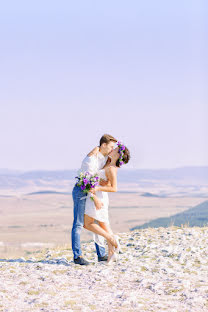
(94, 151)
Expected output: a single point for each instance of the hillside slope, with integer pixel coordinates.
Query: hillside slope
(195, 216)
(161, 269)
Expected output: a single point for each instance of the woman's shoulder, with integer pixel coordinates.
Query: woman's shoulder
(112, 169)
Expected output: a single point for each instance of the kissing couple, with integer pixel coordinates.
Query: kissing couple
(91, 208)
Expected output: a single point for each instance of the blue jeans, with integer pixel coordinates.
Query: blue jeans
(79, 209)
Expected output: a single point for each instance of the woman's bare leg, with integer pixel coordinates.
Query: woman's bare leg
(96, 228)
(107, 228)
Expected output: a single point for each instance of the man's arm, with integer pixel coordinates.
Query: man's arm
(89, 162)
(93, 152)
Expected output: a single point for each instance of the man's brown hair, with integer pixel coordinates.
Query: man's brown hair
(106, 138)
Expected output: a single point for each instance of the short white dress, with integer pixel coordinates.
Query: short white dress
(100, 214)
(90, 209)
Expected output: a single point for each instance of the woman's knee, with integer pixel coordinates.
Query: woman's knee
(87, 222)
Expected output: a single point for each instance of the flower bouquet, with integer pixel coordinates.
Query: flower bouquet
(86, 181)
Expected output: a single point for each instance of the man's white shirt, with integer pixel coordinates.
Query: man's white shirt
(93, 164)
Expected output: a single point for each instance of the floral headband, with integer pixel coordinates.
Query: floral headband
(121, 152)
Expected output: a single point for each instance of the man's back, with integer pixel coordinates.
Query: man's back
(93, 163)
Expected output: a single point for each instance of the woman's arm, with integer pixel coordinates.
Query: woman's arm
(111, 174)
(97, 202)
(94, 151)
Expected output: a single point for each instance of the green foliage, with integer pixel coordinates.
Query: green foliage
(196, 216)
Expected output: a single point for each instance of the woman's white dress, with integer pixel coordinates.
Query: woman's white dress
(98, 214)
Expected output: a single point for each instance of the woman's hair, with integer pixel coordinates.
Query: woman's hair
(126, 157)
(107, 138)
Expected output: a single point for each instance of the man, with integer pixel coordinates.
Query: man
(91, 163)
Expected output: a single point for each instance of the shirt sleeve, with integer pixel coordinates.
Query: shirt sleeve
(89, 164)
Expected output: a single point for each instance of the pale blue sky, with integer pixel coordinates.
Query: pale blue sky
(73, 70)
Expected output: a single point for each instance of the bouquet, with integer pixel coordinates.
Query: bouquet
(86, 181)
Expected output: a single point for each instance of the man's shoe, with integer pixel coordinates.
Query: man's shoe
(104, 258)
(81, 261)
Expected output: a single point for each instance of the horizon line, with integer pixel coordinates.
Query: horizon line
(137, 168)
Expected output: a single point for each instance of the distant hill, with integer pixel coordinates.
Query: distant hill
(48, 192)
(196, 216)
(133, 175)
(183, 174)
(5, 171)
(144, 177)
(147, 194)
(14, 179)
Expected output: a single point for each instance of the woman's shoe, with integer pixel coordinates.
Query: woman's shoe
(113, 258)
(118, 249)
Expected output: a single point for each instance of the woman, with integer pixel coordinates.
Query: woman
(98, 208)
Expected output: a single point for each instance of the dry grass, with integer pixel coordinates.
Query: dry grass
(47, 219)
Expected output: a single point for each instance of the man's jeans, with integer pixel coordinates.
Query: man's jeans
(79, 209)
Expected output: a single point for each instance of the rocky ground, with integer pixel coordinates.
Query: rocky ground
(160, 269)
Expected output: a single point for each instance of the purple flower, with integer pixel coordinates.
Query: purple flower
(86, 181)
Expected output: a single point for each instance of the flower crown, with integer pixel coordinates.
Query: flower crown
(121, 152)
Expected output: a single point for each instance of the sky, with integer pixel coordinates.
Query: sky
(74, 70)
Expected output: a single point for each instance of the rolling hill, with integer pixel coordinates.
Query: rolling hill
(196, 216)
